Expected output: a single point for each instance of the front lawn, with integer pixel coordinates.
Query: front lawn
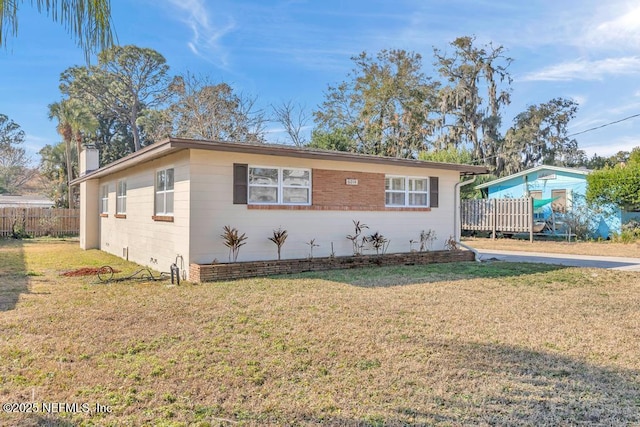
(447, 344)
(594, 248)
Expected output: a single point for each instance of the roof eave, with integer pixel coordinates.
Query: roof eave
(534, 169)
(297, 152)
(146, 154)
(171, 145)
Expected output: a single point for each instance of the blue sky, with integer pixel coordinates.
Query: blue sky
(277, 51)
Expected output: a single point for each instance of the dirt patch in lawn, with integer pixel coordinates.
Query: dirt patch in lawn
(86, 271)
(631, 250)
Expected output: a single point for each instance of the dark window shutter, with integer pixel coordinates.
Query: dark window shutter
(433, 191)
(240, 179)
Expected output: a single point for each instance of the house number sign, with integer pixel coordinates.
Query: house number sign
(352, 181)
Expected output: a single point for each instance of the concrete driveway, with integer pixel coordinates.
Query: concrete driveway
(614, 263)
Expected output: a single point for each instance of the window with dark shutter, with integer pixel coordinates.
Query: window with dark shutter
(433, 192)
(240, 177)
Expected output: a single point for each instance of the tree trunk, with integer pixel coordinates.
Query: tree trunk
(134, 129)
(67, 152)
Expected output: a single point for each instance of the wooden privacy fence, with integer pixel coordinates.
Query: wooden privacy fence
(498, 215)
(36, 222)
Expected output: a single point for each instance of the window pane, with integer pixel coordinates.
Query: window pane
(417, 185)
(169, 203)
(160, 179)
(159, 203)
(263, 176)
(263, 194)
(387, 183)
(394, 198)
(295, 177)
(418, 199)
(169, 179)
(295, 195)
(104, 198)
(397, 183)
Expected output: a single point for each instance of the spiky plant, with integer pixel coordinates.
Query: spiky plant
(357, 242)
(379, 242)
(426, 239)
(312, 244)
(233, 240)
(279, 237)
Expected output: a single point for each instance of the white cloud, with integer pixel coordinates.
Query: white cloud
(583, 69)
(207, 36)
(580, 99)
(623, 108)
(620, 31)
(611, 146)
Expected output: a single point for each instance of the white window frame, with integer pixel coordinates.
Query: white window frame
(164, 192)
(280, 186)
(121, 197)
(407, 192)
(403, 191)
(104, 199)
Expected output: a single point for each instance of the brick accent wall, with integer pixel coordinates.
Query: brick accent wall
(330, 192)
(330, 189)
(239, 270)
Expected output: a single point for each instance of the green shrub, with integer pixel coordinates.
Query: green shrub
(629, 233)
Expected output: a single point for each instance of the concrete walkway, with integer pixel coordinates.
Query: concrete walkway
(614, 263)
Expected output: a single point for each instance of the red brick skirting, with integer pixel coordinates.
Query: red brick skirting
(239, 270)
(337, 208)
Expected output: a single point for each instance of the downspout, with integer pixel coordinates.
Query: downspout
(456, 216)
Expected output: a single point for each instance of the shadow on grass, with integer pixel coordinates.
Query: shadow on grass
(47, 421)
(414, 274)
(13, 273)
(542, 388)
(493, 384)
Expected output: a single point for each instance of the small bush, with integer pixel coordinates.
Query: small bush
(632, 226)
(379, 242)
(49, 225)
(629, 232)
(451, 244)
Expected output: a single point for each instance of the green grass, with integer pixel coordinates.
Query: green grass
(452, 344)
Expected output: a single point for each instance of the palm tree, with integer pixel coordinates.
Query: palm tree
(53, 168)
(88, 20)
(74, 122)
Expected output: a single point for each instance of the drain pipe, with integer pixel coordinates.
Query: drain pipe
(456, 216)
